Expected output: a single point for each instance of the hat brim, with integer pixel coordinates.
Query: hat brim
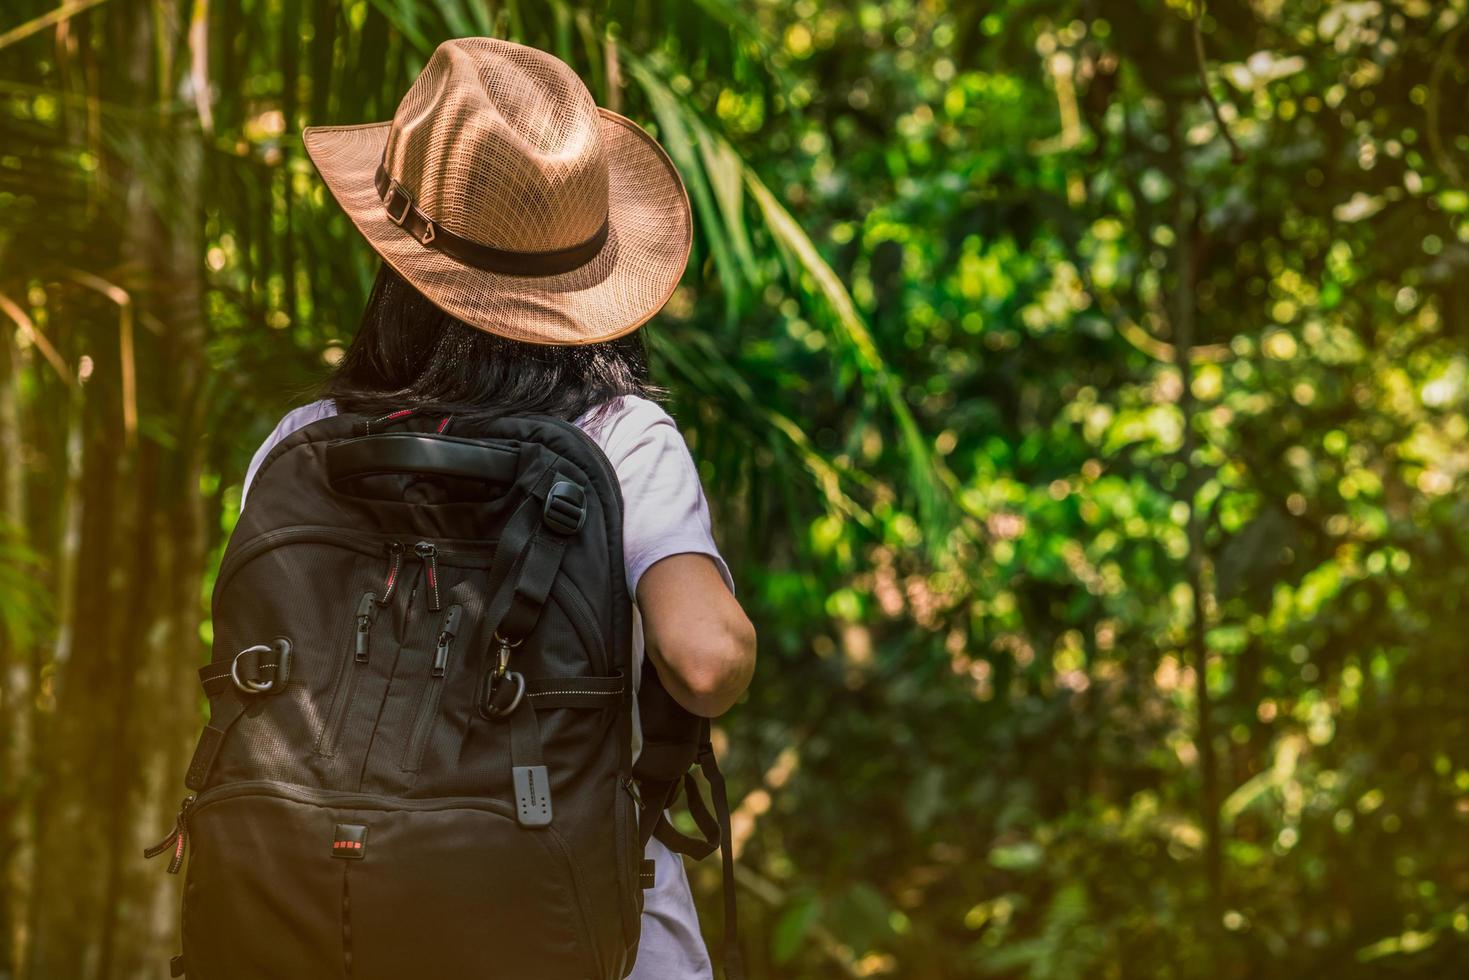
(650, 231)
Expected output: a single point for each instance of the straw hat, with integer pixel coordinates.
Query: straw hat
(508, 198)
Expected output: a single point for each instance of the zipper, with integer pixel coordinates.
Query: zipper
(343, 800)
(571, 601)
(428, 703)
(564, 591)
(345, 686)
(362, 637)
(625, 816)
(579, 891)
(178, 840)
(366, 542)
(609, 478)
(474, 554)
(401, 637)
(447, 632)
(364, 801)
(634, 802)
(428, 553)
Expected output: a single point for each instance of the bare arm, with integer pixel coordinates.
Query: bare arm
(698, 636)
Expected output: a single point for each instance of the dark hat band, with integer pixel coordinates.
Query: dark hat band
(405, 214)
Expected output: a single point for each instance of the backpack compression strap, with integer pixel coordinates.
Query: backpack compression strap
(525, 565)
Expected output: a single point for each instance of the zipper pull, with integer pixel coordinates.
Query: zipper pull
(447, 632)
(429, 554)
(395, 553)
(178, 840)
(366, 612)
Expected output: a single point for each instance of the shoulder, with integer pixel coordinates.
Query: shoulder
(664, 511)
(645, 447)
(298, 418)
(624, 413)
(623, 424)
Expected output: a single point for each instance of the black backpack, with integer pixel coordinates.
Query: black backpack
(418, 760)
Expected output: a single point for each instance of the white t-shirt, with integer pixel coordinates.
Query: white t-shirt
(664, 513)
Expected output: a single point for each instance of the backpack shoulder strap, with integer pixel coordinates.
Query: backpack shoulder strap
(675, 741)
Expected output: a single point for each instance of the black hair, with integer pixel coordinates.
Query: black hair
(408, 353)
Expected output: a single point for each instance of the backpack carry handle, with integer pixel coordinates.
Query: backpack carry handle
(410, 452)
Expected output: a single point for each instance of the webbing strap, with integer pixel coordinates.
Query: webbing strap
(522, 572)
(528, 770)
(656, 797)
(525, 564)
(734, 965)
(215, 678)
(681, 843)
(545, 693)
(519, 544)
(537, 575)
(715, 828)
(515, 537)
(221, 719)
(227, 703)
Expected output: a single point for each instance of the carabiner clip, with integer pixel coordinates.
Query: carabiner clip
(503, 654)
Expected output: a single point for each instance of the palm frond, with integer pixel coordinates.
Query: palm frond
(705, 159)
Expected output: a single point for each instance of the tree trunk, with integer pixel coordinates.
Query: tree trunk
(1187, 229)
(132, 555)
(14, 673)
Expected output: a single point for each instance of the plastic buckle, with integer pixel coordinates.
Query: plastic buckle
(566, 507)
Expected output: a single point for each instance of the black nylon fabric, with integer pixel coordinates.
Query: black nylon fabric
(360, 820)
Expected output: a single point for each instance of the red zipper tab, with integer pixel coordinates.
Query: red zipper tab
(395, 553)
(390, 417)
(178, 840)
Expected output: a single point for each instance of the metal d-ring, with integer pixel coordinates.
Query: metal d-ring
(250, 687)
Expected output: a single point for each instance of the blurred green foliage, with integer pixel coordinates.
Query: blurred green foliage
(1090, 456)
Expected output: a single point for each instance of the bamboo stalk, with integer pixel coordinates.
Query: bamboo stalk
(28, 327)
(1184, 327)
(58, 16)
(14, 677)
(126, 356)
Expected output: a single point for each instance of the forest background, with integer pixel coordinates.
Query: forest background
(1082, 389)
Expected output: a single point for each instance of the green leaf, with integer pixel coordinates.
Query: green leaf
(1024, 856)
(793, 926)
